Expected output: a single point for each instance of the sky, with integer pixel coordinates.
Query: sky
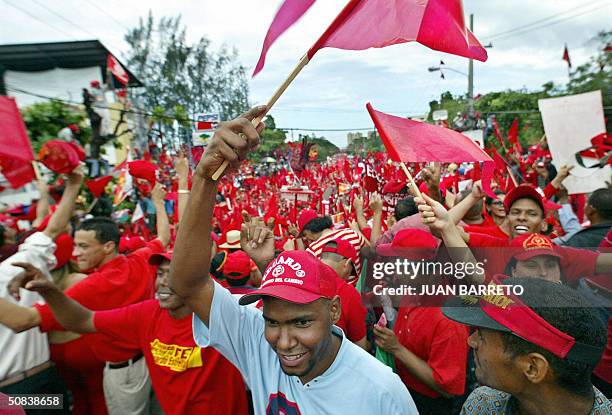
(528, 38)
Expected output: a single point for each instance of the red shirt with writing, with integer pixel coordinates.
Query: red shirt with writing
(187, 379)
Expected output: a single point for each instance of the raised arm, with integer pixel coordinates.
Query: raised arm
(181, 165)
(376, 205)
(70, 314)
(189, 276)
(358, 205)
(438, 219)
(461, 209)
(60, 218)
(42, 207)
(163, 226)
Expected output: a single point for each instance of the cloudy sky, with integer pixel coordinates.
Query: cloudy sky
(527, 36)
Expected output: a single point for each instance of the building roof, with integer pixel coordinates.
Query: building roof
(31, 57)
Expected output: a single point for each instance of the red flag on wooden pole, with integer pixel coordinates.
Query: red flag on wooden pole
(411, 141)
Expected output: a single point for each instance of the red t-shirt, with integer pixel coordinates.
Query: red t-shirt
(186, 379)
(492, 230)
(575, 263)
(122, 281)
(353, 316)
(440, 342)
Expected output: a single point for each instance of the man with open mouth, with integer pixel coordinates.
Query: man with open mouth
(293, 357)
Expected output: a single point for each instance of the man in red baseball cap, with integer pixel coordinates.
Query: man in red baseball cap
(185, 377)
(534, 352)
(294, 359)
(237, 272)
(534, 256)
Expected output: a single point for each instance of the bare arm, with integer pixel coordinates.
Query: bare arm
(16, 317)
(163, 226)
(461, 209)
(438, 219)
(358, 205)
(42, 207)
(69, 313)
(376, 205)
(60, 218)
(386, 340)
(189, 276)
(182, 170)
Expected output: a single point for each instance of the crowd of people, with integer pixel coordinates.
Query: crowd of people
(337, 287)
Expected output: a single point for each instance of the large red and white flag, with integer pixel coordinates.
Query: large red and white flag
(117, 70)
(16, 153)
(411, 141)
(288, 13)
(437, 24)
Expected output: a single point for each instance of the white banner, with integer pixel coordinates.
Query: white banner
(569, 123)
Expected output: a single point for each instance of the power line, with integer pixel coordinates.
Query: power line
(554, 22)
(108, 14)
(64, 18)
(544, 19)
(168, 117)
(40, 20)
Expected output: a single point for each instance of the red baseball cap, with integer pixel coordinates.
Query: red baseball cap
(521, 192)
(131, 243)
(297, 277)
(64, 246)
(411, 243)
(306, 216)
(506, 312)
(237, 265)
(531, 245)
(393, 186)
(157, 259)
(342, 248)
(60, 156)
(143, 169)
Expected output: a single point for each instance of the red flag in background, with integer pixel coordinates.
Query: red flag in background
(288, 13)
(566, 57)
(96, 186)
(116, 69)
(16, 154)
(437, 24)
(412, 141)
(513, 136)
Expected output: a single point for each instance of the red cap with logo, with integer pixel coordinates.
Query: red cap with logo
(507, 313)
(237, 265)
(531, 245)
(306, 216)
(523, 191)
(297, 277)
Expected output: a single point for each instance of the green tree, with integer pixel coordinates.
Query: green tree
(271, 139)
(182, 78)
(45, 119)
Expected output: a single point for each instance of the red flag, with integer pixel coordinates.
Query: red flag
(437, 24)
(288, 13)
(16, 154)
(412, 141)
(96, 186)
(499, 135)
(566, 57)
(513, 136)
(116, 69)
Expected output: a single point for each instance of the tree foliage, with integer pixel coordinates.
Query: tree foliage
(523, 104)
(182, 79)
(45, 119)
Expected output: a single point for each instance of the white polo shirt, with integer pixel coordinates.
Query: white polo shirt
(23, 351)
(356, 383)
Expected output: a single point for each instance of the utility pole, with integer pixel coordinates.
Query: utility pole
(471, 75)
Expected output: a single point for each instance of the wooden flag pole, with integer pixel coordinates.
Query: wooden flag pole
(95, 201)
(303, 62)
(36, 170)
(413, 186)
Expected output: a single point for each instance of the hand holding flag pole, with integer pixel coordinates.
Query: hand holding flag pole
(437, 24)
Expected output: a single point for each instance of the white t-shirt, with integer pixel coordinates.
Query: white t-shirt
(23, 351)
(356, 383)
